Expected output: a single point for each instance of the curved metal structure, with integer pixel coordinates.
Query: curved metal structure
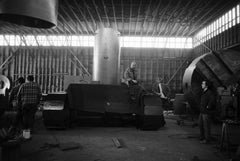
(222, 68)
(6, 84)
(106, 58)
(31, 13)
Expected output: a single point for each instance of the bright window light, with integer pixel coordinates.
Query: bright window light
(156, 42)
(234, 16)
(74, 40)
(223, 23)
(238, 12)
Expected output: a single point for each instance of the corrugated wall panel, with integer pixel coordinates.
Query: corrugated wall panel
(49, 65)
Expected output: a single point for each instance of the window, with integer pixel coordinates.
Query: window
(156, 42)
(226, 21)
(238, 12)
(74, 40)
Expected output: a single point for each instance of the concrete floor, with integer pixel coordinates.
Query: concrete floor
(170, 143)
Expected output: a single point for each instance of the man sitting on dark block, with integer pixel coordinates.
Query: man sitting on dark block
(130, 79)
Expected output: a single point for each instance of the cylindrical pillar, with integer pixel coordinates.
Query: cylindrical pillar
(106, 58)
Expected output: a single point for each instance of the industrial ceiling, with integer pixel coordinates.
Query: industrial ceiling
(130, 17)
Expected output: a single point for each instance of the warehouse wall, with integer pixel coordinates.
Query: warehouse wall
(226, 39)
(49, 65)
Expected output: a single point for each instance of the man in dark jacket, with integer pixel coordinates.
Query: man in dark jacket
(13, 101)
(207, 107)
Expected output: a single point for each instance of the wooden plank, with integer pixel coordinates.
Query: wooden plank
(50, 71)
(117, 142)
(65, 65)
(11, 66)
(69, 63)
(27, 61)
(57, 72)
(42, 69)
(46, 75)
(34, 62)
(54, 71)
(61, 71)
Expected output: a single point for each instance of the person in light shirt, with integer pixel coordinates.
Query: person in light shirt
(162, 90)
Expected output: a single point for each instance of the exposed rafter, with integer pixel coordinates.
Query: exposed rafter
(131, 17)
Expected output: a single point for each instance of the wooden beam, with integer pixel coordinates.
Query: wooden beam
(92, 17)
(146, 15)
(130, 17)
(82, 66)
(194, 13)
(122, 5)
(139, 9)
(169, 18)
(85, 19)
(76, 17)
(65, 25)
(216, 10)
(155, 12)
(67, 22)
(164, 11)
(105, 11)
(180, 67)
(98, 14)
(114, 15)
(176, 23)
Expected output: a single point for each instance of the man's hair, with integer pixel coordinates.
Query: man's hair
(159, 78)
(208, 83)
(21, 80)
(133, 62)
(30, 78)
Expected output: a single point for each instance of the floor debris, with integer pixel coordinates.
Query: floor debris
(69, 146)
(117, 142)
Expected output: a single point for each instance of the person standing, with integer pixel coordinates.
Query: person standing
(236, 93)
(29, 98)
(163, 91)
(13, 93)
(13, 102)
(207, 107)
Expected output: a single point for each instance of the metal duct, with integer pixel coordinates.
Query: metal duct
(106, 58)
(222, 68)
(31, 13)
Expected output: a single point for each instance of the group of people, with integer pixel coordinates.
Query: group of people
(207, 102)
(25, 98)
(158, 88)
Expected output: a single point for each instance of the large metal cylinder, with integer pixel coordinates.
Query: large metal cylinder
(106, 58)
(31, 13)
(4, 84)
(222, 68)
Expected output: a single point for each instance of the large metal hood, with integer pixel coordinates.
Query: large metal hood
(31, 13)
(222, 68)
